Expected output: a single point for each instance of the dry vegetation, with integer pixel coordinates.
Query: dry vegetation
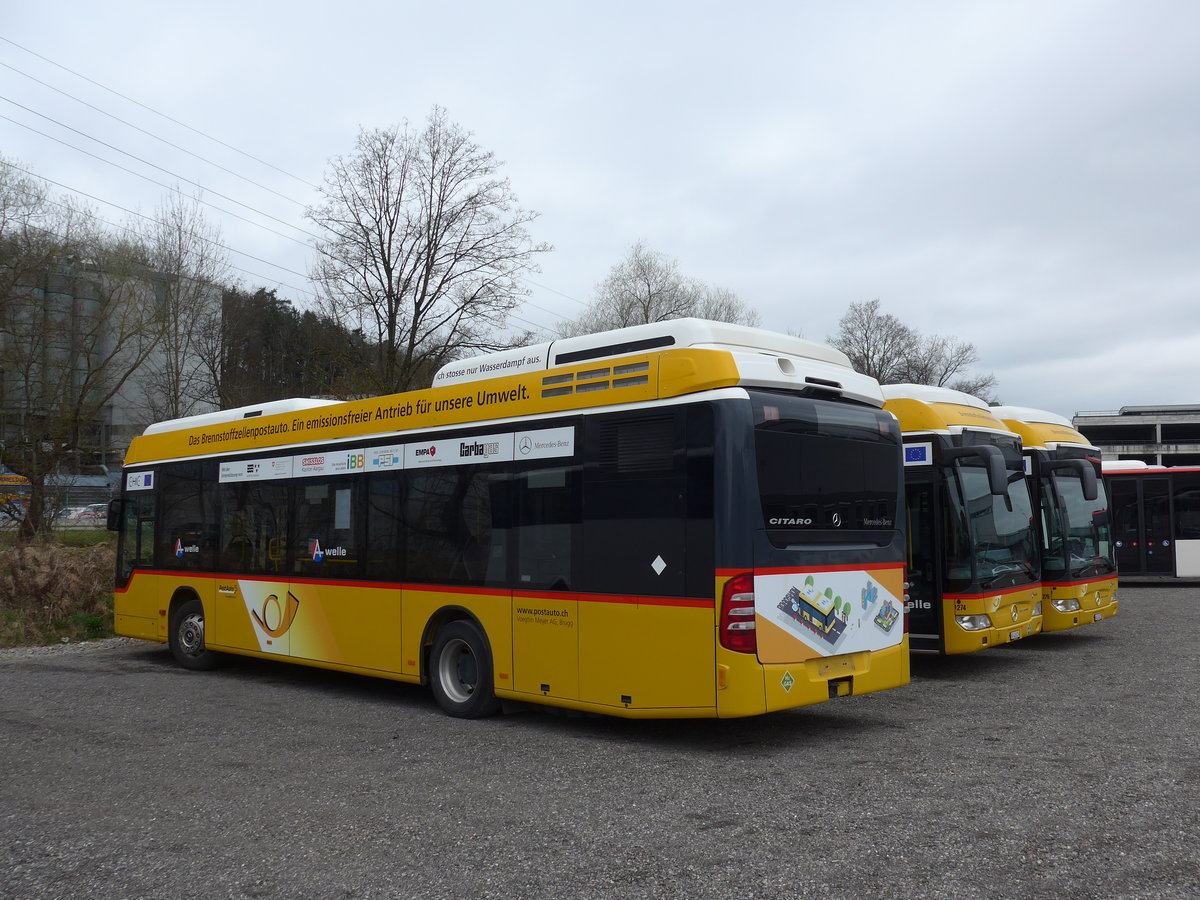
(50, 591)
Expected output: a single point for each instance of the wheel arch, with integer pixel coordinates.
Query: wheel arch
(439, 620)
(182, 595)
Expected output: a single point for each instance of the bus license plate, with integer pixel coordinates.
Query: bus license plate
(837, 666)
(1014, 635)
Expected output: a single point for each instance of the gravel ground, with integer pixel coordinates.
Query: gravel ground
(1064, 766)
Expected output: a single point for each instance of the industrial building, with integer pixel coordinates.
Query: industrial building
(1157, 435)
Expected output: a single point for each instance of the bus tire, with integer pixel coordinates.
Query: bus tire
(186, 637)
(461, 671)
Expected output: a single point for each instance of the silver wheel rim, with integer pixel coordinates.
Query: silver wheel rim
(191, 634)
(458, 670)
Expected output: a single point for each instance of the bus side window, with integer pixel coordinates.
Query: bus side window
(1186, 500)
(635, 500)
(253, 527)
(545, 528)
(384, 538)
(187, 532)
(450, 528)
(325, 526)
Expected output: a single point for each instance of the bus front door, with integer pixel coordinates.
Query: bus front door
(924, 581)
(1142, 526)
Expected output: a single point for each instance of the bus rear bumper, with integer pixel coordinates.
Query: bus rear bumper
(750, 690)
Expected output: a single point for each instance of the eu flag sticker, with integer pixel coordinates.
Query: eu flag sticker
(918, 454)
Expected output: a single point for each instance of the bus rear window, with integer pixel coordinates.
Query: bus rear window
(825, 466)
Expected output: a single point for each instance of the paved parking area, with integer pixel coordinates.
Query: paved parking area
(1064, 766)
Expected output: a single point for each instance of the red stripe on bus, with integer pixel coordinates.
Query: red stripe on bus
(1036, 586)
(693, 602)
(790, 570)
(1093, 580)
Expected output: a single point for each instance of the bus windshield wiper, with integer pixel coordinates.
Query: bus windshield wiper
(999, 570)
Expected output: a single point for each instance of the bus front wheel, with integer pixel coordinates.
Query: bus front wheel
(461, 672)
(186, 637)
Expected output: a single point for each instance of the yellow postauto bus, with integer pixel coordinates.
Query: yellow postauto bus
(1079, 565)
(684, 519)
(14, 495)
(972, 553)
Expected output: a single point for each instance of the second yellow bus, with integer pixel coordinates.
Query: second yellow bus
(972, 552)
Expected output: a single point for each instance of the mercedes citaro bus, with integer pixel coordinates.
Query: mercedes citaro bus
(972, 554)
(679, 519)
(1079, 569)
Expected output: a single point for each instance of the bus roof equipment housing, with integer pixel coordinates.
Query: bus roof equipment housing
(763, 358)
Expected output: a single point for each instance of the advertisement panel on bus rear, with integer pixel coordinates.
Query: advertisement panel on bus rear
(809, 613)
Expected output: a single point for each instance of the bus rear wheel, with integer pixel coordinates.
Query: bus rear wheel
(186, 637)
(461, 672)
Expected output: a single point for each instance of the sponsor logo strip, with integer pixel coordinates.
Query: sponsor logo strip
(546, 443)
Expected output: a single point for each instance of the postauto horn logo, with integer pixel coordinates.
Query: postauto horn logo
(276, 620)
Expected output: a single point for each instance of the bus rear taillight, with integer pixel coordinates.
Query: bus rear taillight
(737, 615)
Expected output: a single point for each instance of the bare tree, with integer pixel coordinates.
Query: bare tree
(188, 265)
(877, 343)
(75, 322)
(425, 250)
(723, 305)
(882, 346)
(982, 386)
(944, 362)
(647, 286)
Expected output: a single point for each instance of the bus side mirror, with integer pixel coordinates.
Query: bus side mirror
(1087, 475)
(993, 461)
(116, 511)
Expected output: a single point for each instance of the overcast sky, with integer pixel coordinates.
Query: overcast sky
(1022, 175)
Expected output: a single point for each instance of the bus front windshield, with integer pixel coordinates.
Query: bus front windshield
(991, 539)
(1079, 539)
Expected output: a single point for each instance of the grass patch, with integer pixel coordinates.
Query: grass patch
(83, 537)
(67, 535)
(56, 588)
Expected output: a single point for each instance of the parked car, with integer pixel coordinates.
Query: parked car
(94, 513)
